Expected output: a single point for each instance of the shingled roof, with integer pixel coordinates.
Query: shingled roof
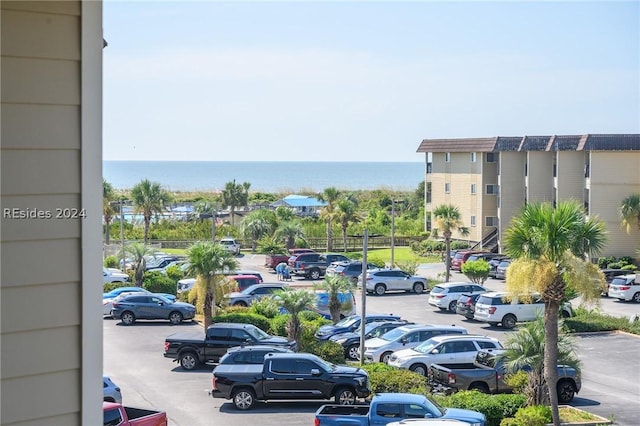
(603, 142)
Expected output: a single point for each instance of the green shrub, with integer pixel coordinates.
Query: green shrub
(518, 381)
(589, 321)
(175, 273)
(278, 324)
(625, 260)
(615, 265)
(376, 260)
(410, 267)
(377, 367)
(630, 267)
(327, 350)
(398, 381)
(110, 262)
(310, 316)
(476, 270)
(245, 318)
(267, 307)
(605, 260)
(535, 415)
(156, 282)
(459, 245)
(494, 407)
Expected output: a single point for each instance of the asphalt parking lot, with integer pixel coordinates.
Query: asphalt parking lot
(133, 358)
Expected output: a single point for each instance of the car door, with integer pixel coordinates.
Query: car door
(529, 309)
(140, 305)
(217, 342)
(157, 308)
(396, 280)
(293, 379)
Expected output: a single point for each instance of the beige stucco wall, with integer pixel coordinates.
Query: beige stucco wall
(614, 176)
(539, 179)
(512, 188)
(570, 180)
(51, 159)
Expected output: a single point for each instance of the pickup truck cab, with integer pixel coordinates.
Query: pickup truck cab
(313, 265)
(115, 414)
(386, 408)
(191, 351)
(486, 374)
(285, 376)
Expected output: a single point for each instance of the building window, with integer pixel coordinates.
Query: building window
(491, 221)
(447, 188)
(473, 157)
(474, 188)
(428, 192)
(491, 157)
(473, 221)
(447, 157)
(526, 169)
(586, 201)
(555, 170)
(492, 189)
(429, 167)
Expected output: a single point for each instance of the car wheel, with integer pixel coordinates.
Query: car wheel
(175, 317)
(385, 357)
(480, 387)
(636, 297)
(380, 289)
(453, 305)
(243, 399)
(188, 361)
(565, 392)
(565, 314)
(345, 396)
(127, 318)
(353, 352)
(419, 368)
(240, 303)
(418, 288)
(509, 321)
(314, 274)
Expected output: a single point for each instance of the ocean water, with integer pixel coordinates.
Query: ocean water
(287, 177)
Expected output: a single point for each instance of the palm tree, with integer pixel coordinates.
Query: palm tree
(149, 198)
(330, 196)
(552, 247)
(107, 210)
(294, 302)
(525, 351)
(346, 213)
(630, 212)
(289, 232)
(449, 219)
(138, 253)
(235, 195)
(257, 224)
(207, 261)
(334, 286)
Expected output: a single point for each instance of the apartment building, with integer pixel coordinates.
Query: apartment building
(490, 179)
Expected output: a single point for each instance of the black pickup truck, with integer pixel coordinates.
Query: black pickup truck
(192, 350)
(314, 265)
(285, 376)
(486, 375)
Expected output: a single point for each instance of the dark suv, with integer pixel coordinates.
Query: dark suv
(351, 323)
(349, 270)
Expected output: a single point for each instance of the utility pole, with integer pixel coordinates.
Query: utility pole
(363, 311)
(122, 235)
(393, 231)
(213, 223)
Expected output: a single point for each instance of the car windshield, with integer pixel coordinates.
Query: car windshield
(257, 333)
(249, 289)
(328, 366)
(426, 346)
(348, 321)
(394, 334)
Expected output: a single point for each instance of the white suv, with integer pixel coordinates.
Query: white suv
(230, 245)
(379, 349)
(442, 350)
(625, 287)
(500, 308)
(445, 296)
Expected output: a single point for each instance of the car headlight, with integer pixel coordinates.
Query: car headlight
(341, 341)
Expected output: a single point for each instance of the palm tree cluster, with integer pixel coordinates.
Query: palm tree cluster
(448, 220)
(149, 199)
(340, 208)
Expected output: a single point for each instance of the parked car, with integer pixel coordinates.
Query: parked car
(493, 264)
(380, 349)
(501, 270)
(111, 275)
(115, 414)
(351, 323)
(192, 349)
(499, 307)
(110, 391)
(461, 257)
(388, 408)
(442, 349)
(315, 378)
(484, 256)
(109, 297)
(244, 281)
(486, 374)
(379, 281)
(250, 354)
(350, 340)
(467, 305)
(348, 269)
(252, 293)
(230, 244)
(160, 262)
(187, 284)
(151, 306)
(625, 287)
(445, 295)
(313, 265)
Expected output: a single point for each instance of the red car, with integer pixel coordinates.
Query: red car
(461, 257)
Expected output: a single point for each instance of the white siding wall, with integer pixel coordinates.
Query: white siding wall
(45, 261)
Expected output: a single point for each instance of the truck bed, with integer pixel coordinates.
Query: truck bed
(343, 410)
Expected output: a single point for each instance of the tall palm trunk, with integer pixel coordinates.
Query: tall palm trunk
(344, 238)
(107, 222)
(147, 222)
(329, 237)
(552, 296)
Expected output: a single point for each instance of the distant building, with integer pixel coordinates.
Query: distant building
(301, 205)
(490, 179)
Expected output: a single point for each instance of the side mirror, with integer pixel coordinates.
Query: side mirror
(435, 351)
(315, 372)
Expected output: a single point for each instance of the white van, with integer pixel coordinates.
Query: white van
(499, 307)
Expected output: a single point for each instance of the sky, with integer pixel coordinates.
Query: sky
(360, 80)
